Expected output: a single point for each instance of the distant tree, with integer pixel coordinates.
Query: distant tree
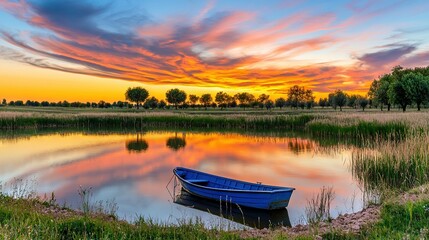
(120, 104)
(65, 104)
(137, 95)
(340, 99)
(4, 102)
(263, 98)
(323, 102)
(206, 100)
(245, 99)
(309, 98)
(381, 94)
(419, 88)
(363, 102)
(193, 99)
(151, 102)
(280, 102)
(12, 103)
(45, 104)
(269, 104)
(400, 90)
(213, 105)
(175, 96)
(162, 104)
(94, 105)
(296, 95)
(331, 100)
(222, 99)
(101, 104)
(353, 100)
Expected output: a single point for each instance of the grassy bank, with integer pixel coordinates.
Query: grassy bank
(320, 124)
(401, 217)
(35, 219)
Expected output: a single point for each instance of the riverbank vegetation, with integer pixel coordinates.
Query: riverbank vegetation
(401, 216)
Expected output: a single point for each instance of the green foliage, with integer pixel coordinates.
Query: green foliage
(419, 88)
(340, 99)
(300, 97)
(244, 98)
(175, 96)
(400, 91)
(136, 95)
(206, 99)
(280, 102)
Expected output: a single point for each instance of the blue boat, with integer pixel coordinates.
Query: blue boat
(253, 195)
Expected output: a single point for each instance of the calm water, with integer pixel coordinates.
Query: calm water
(133, 169)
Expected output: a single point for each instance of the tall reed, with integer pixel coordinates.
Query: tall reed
(393, 164)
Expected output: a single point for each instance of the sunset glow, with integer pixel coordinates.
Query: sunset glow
(95, 50)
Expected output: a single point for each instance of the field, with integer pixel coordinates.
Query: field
(391, 162)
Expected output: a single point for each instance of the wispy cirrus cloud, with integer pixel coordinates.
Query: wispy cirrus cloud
(230, 49)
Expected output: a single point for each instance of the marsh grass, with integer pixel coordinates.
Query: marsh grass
(393, 165)
(319, 206)
(144, 120)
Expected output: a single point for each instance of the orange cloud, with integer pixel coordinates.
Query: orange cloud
(217, 50)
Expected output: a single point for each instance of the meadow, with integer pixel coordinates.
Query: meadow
(391, 160)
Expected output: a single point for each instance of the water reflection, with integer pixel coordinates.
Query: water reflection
(134, 175)
(138, 145)
(255, 218)
(175, 143)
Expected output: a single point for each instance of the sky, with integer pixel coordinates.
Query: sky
(94, 50)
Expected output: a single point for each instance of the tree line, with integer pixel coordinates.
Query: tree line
(401, 87)
(138, 97)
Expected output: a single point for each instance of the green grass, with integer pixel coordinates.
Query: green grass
(24, 219)
(393, 165)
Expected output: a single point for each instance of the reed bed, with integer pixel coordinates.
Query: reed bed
(393, 165)
(156, 119)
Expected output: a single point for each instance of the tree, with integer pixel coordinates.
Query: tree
(162, 104)
(175, 96)
(331, 100)
(222, 99)
(101, 104)
(151, 102)
(400, 91)
(382, 89)
(323, 102)
(353, 100)
(269, 104)
(296, 95)
(280, 102)
(363, 102)
(244, 98)
(205, 100)
(340, 99)
(193, 99)
(419, 88)
(4, 102)
(136, 95)
(309, 99)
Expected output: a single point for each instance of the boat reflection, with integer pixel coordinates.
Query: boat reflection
(255, 218)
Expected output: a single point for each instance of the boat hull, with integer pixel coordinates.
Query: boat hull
(270, 198)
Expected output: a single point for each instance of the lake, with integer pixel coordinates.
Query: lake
(132, 170)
